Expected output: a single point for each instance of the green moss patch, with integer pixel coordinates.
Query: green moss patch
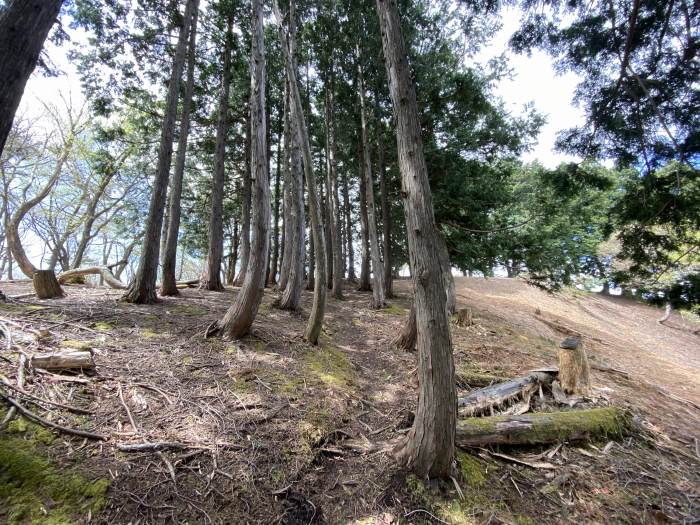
(75, 344)
(187, 310)
(32, 490)
(394, 309)
(330, 365)
(104, 327)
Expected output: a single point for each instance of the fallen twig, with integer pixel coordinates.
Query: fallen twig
(38, 419)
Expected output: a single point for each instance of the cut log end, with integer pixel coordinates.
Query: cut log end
(46, 285)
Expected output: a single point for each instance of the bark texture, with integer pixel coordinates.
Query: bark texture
(63, 360)
(242, 313)
(378, 292)
(332, 197)
(24, 26)
(364, 282)
(245, 218)
(211, 278)
(386, 216)
(45, 285)
(143, 288)
(347, 212)
(429, 448)
(574, 370)
(168, 286)
(313, 328)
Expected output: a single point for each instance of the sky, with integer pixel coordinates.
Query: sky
(534, 81)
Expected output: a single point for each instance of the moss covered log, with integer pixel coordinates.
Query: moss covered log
(543, 427)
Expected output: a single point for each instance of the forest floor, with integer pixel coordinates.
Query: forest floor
(265, 421)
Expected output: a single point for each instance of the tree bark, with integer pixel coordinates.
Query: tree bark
(24, 26)
(45, 285)
(274, 263)
(233, 255)
(211, 278)
(429, 448)
(286, 193)
(378, 291)
(448, 279)
(291, 294)
(143, 288)
(245, 219)
(332, 193)
(386, 215)
(240, 316)
(313, 328)
(168, 286)
(347, 210)
(574, 370)
(364, 283)
(406, 340)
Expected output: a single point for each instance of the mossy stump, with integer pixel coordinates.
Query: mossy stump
(46, 285)
(574, 370)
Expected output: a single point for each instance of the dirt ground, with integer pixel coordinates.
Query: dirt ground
(263, 424)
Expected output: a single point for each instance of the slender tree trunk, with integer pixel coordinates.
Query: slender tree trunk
(169, 286)
(211, 278)
(286, 193)
(274, 264)
(332, 194)
(313, 328)
(240, 316)
(429, 447)
(233, 255)
(24, 26)
(291, 294)
(310, 280)
(378, 292)
(143, 287)
(347, 210)
(364, 284)
(245, 219)
(386, 215)
(448, 279)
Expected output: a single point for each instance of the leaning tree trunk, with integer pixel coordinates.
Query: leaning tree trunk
(332, 197)
(406, 340)
(24, 26)
(46, 286)
(429, 448)
(242, 313)
(378, 292)
(169, 287)
(245, 219)
(211, 278)
(143, 288)
(386, 215)
(347, 211)
(313, 328)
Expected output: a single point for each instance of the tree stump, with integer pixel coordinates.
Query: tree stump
(46, 285)
(574, 371)
(464, 318)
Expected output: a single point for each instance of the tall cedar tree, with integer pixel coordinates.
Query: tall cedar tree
(429, 447)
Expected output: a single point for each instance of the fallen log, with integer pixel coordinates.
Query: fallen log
(486, 400)
(105, 272)
(467, 378)
(543, 427)
(63, 360)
